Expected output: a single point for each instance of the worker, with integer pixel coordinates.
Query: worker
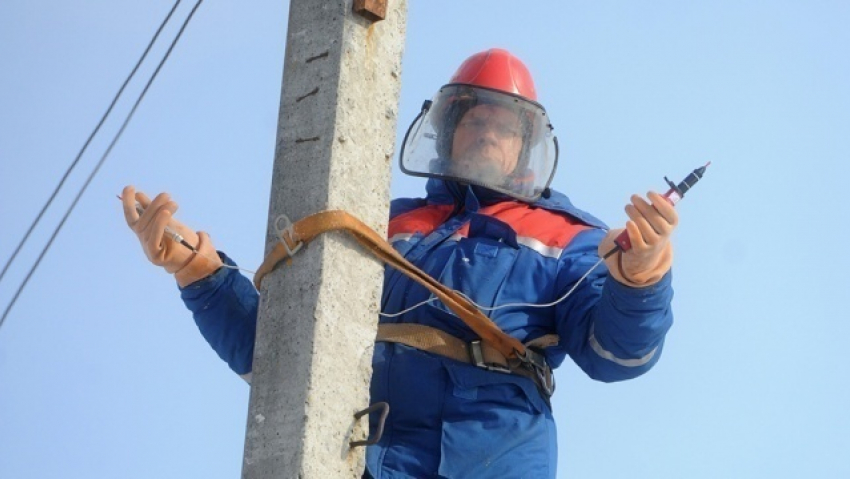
(490, 227)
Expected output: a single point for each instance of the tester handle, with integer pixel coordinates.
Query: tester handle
(673, 196)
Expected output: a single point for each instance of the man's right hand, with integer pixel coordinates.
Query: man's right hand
(186, 266)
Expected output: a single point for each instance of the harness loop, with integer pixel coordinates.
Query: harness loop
(288, 228)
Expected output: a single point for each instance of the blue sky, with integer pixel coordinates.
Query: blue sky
(103, 373)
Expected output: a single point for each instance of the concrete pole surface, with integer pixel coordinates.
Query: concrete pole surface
(318, 313)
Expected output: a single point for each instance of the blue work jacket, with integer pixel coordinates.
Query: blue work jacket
(454, 420)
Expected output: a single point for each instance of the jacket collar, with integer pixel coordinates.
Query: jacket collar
(444, 192)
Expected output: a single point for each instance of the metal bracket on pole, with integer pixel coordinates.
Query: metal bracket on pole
(374, 10)
(385, 410)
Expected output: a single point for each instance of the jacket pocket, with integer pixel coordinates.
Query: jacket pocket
(477, 267)
(495, 425)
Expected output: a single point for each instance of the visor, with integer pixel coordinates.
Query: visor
(482, 137)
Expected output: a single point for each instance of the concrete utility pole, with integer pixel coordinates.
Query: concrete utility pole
(318, 314)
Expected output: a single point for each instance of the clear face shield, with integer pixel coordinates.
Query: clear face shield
(483, 137)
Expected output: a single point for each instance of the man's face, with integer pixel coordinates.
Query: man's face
(487, 143)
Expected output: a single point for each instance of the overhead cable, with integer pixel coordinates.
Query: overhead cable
(103, 158)
(88, 141)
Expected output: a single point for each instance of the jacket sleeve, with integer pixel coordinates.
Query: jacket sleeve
(224, 306)
(613, 331)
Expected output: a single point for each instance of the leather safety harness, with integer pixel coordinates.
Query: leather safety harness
(495, 351)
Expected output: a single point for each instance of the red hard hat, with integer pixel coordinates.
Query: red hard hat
(497, 69)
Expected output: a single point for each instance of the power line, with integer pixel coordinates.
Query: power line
(105, 154)
(88, 141)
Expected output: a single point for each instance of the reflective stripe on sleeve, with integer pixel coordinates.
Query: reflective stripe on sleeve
(602, 352)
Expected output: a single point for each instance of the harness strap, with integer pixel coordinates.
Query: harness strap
(436, 341)
(304, 230)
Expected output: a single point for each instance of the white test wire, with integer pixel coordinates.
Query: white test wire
(508, 305)
(178, 238)
(393, 315)
(223, 265)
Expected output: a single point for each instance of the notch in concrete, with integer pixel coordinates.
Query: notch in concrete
(321, 55)
(374, 10)
(311, 93)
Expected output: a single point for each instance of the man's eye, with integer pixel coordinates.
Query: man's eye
(507, 131)
(502, 130)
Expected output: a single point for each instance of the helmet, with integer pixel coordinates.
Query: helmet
(491, 94)
(496, 69)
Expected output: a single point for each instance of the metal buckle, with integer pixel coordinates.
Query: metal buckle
(287, 229)
(478, 359)
(547, 380)
(537, 363)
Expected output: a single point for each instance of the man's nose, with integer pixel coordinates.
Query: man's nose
(488, 133)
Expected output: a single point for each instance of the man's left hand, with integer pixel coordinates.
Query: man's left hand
(651, 255)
